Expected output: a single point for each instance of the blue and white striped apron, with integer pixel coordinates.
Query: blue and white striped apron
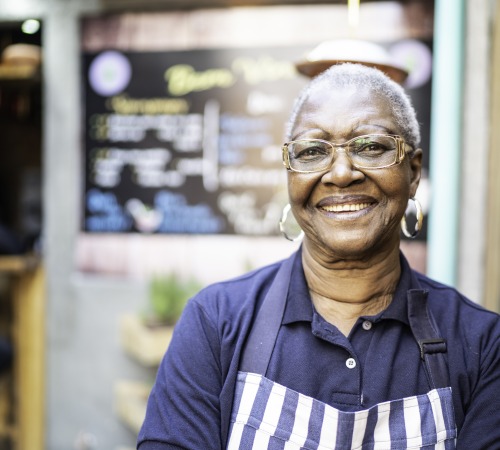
(267, 415)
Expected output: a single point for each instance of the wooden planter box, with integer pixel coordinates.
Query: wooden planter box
(145, 344)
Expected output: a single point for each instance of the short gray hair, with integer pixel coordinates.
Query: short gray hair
(360, 76)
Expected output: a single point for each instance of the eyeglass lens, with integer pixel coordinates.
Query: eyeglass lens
(370, 151)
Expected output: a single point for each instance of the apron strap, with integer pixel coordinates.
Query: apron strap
(432, 346)
(262, 338)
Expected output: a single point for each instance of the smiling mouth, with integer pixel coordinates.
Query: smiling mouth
(346, 207)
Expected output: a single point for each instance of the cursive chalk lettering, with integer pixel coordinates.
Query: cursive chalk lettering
(183, 79)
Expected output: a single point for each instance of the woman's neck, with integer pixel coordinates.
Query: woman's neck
(343, 290)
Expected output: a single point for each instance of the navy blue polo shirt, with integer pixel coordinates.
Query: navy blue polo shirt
(190, 404)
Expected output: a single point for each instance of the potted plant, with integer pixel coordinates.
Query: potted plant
(167, 297)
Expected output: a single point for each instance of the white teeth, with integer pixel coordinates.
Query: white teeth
(347, 207)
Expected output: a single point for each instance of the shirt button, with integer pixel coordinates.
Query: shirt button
(367, 325)
(350, 363)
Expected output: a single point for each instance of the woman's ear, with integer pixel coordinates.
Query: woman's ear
(416, 170)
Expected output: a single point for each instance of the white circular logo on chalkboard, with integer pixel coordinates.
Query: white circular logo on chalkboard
(110, 73)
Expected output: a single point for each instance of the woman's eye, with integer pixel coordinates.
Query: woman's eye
(311, 152)
(370, 148)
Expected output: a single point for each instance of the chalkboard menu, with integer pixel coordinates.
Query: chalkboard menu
(190, 141)
(187, 141)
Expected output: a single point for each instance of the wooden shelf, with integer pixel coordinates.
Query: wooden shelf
(19, 76)
(18, 264)
(18, 72)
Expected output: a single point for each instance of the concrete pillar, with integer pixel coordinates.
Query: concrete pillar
(475, 150)
(445, 157)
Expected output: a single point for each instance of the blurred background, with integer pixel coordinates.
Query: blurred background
(140, 160)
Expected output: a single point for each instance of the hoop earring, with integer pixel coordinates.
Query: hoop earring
(283, 225)
(418, 224)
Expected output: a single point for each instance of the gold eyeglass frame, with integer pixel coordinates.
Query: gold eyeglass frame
(400, 154)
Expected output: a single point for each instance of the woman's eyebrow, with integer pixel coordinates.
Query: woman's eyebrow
(374, 125)
(309, 130)
(356, 130)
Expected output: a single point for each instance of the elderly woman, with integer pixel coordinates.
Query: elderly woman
(343, 345)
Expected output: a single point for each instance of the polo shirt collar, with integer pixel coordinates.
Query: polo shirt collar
(299, 306)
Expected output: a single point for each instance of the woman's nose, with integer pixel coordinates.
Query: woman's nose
(342, 172)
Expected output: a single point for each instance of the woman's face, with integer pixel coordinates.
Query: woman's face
(373, 200)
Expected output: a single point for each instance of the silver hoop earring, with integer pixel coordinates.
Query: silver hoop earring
(418, 224)
(286, 228)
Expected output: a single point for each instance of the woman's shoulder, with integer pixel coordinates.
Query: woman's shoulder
(222, 312)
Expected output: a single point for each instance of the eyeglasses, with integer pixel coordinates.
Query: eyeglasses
(371, 151)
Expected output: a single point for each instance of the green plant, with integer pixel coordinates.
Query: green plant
(168, 295)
